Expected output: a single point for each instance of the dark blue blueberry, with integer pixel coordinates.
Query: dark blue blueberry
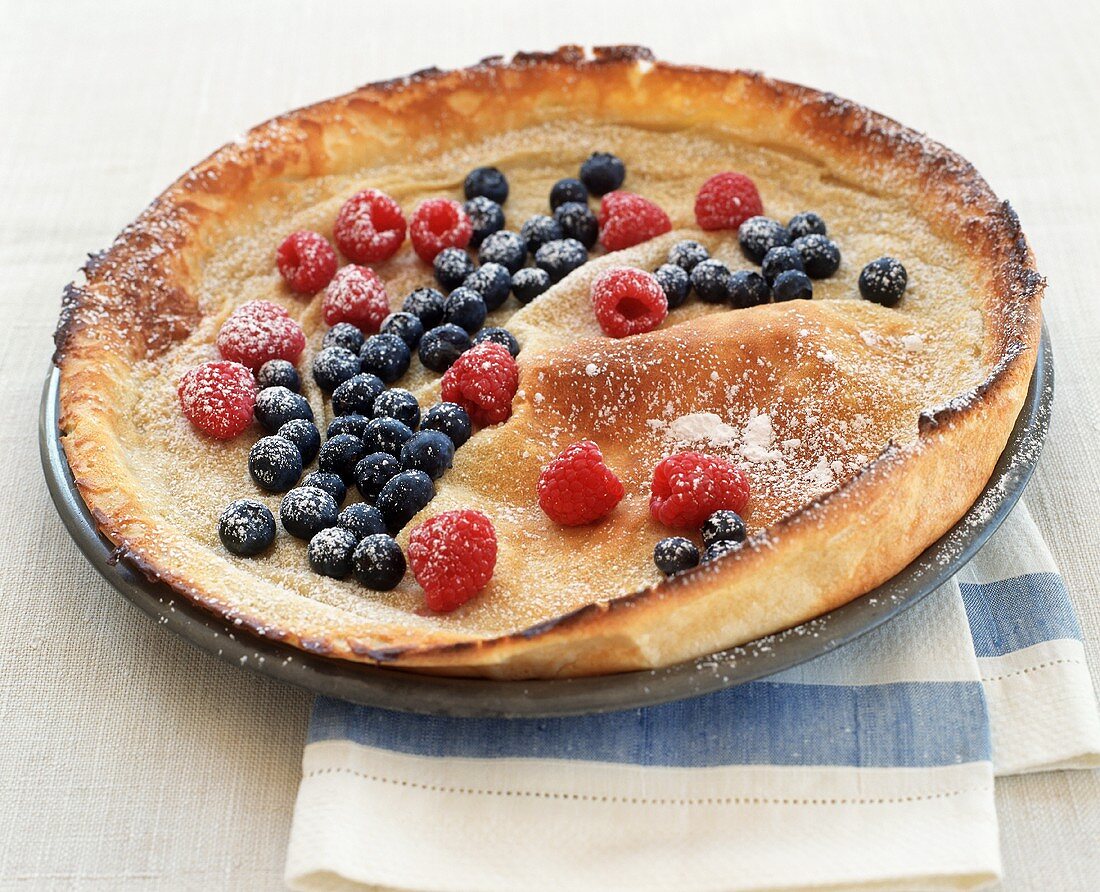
(687, 255)
(386, 435)
(379, 562)
(373, 472)
(246, 527)
(820, 255)
(357, 395)
(492, 281)
(333, 366)
(386, 356)
(487, 181)
(674, 282)
(498, 336)
(441, 346)
(807, 223)
(330, 483)
(274, 463)
(486, 217)
(397, 403)
(723, 526)
(361, 520)
(529, 282)
(577, 221)
(275, 406)
(602, 173)
(792, 284)
(429, 451)
(450, 419)
(403, 496)
(405, 325)
(758, 235)
(307, 510)
(560, 258)
(711, 281)
(715, 551)
(675, 554)
(278, 373)
(304, 435)
(506, 248)
(567, 191)
(466, 309)
(539, 230)
(329, 552)
(353, 424)
(883, 281)
(452, 266)
(748, 289)
(344, 334)
(779, 260)
(340, 455)
(426, 304)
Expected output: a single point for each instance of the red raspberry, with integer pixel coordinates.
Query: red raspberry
(258, 331)
(689, 487)
(218, 398)
(369, 227)
(577, 487)
(627, 219)
(437, 224)
(452, 557)
(358, 296)
(483, 381)
(727, 200)
(628, 301)
(306, 261)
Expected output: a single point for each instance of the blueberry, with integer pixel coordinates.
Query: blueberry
(278, 373)
(506, 248)
(361, 520)
(307, 510)
(386, 356)
(577, 221)
(560, 258)
(330, 483)
(711, 281)
(883, 281)
(386, 435)
(405, 325)
(539, 230)
(426, 304)
(441, 346)
(486, 217)
(675, 554)
(274, 463)
(568, 191)
(687, 255)
(602, 173)
(748, 289)
(246, 527)
(333, 366)
(450, 419)
(329, 552)
(340, 455)
(498, 336)
(492, 281)
(403, 496)
(529, 282)
(344, 334)
(779, 260)
(715, 551)
(373, 472)
(429, 451)
(357, 394)
(451, 266)
(820, 255)
(807, 223)
(353, 424)
(304, 435)
(758, 235)
(379, 562)
(723, 526)
(397, 403)
(674, 282)
(275, 406)
(792, 284)
(465, 308)
(486, 181)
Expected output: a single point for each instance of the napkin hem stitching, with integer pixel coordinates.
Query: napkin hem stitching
(1034, 668)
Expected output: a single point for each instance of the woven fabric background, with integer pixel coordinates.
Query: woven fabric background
(127, 760)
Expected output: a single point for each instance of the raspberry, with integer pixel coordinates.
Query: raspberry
(689, 487)
(727, 200)
(452, 556)
(483, 381)
(437, 224)
(218, 398)
(627, 219)
(577, 487)
(356, 295)
(369, 227)
(628, 301)
(306, 261)
(258, 331)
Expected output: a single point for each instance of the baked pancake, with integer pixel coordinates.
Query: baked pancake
(866, 430)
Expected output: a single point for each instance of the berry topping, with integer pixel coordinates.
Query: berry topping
(330, 483)
(628, 301)
(820, 255)
(539, 230)
(329, 552)
(274, 463)
(386, 356)
(340, 455)
(441, 346)
(687, 255)
(373, 472)
(246, 527)
(627, 219)
(577, 221)
(723, 526)
(748, 289)
(343, 334)
(397, 403)
(559, 258)
(450, 419)
(529, 282)
(674, 282)
(807, 223)
(452, 556)
(727, 200)
(369, 227)
(306, 261)
(779, 260)
(483, 381)
(498, 336)
(356, 295)
(883, 281)
(333, 366)
(426, 304)
(218, 398)
(278, 373)
(306, 510)
(347, 424)
(361, 520)
(758, 235)
(405, 325)
(568, 191)
(465, 308)
(602, 173)
(717, 550)
(675, 555)
(437, 224)
(488, 182)
(792, 284)
(711, 281)
(403, 496)
(451, 267)
(492, 281)
(577, 487)
(304, 435)
(357, 395)
(429, 451)
(506, 248)
(258, 331)
(486, 217)
(386, 435)
(378, 562)
(689, 487)
(275, 406)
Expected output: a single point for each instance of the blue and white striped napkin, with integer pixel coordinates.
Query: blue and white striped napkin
(870, 766)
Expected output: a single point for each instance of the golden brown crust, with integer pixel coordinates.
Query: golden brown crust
(138, 300)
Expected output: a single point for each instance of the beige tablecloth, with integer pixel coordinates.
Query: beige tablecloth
(127, 760)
